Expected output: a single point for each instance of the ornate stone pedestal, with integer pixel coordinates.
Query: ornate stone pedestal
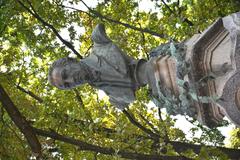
(214, 59)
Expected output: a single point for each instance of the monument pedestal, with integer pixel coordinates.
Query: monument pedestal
(214, 58)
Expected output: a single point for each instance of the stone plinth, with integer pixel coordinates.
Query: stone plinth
(214, 58)
(165, 73)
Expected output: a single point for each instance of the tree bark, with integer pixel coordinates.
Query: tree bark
(234, 154)
(30, 134)
(104, 150)
(181, 146)
(20, 121)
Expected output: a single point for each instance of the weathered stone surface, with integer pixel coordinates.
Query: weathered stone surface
(215, 53)
(207, 54)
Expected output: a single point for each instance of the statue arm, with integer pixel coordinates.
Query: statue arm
(99, 35)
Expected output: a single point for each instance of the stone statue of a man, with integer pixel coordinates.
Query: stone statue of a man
(106, 68)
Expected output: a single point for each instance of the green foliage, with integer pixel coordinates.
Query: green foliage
(27, 48)
(211, 154)
(234, 139)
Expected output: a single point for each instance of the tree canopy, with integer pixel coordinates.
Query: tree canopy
(40, 121)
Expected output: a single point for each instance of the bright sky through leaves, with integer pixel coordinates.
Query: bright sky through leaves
(29, 43)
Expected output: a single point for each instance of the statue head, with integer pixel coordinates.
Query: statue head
(67, 73)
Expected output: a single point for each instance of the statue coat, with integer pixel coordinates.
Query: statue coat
(115, 69)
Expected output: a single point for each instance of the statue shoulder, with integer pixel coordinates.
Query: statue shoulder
(99, 35)
(109, 53)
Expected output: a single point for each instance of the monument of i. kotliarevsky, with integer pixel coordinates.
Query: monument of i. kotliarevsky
(199, 77)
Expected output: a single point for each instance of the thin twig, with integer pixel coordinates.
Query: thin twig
(97, 14)
(78, 97)
(190, 23)
(137, 124)
(166, 137)
(51, 27)
(69, 7)
(149, 123)
(87, 52)
(143, 41)
(30, 93)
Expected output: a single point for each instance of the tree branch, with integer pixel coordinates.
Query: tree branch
(137, 124)
(29, 132)
(68, 7)
(78, 97)
(179, 147)
(108, 132)
(149, 123)
(20, 122)
(19, 137)
(143, 41)
(99, 15)
(182, 146)
(104, 150)
(166, 137)
(51, 27)
(190, 23)
(40, 100)
(86, 124)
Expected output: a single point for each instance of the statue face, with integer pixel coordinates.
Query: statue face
(68, 76)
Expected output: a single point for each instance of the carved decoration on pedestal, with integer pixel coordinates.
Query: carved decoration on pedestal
(214, 53)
